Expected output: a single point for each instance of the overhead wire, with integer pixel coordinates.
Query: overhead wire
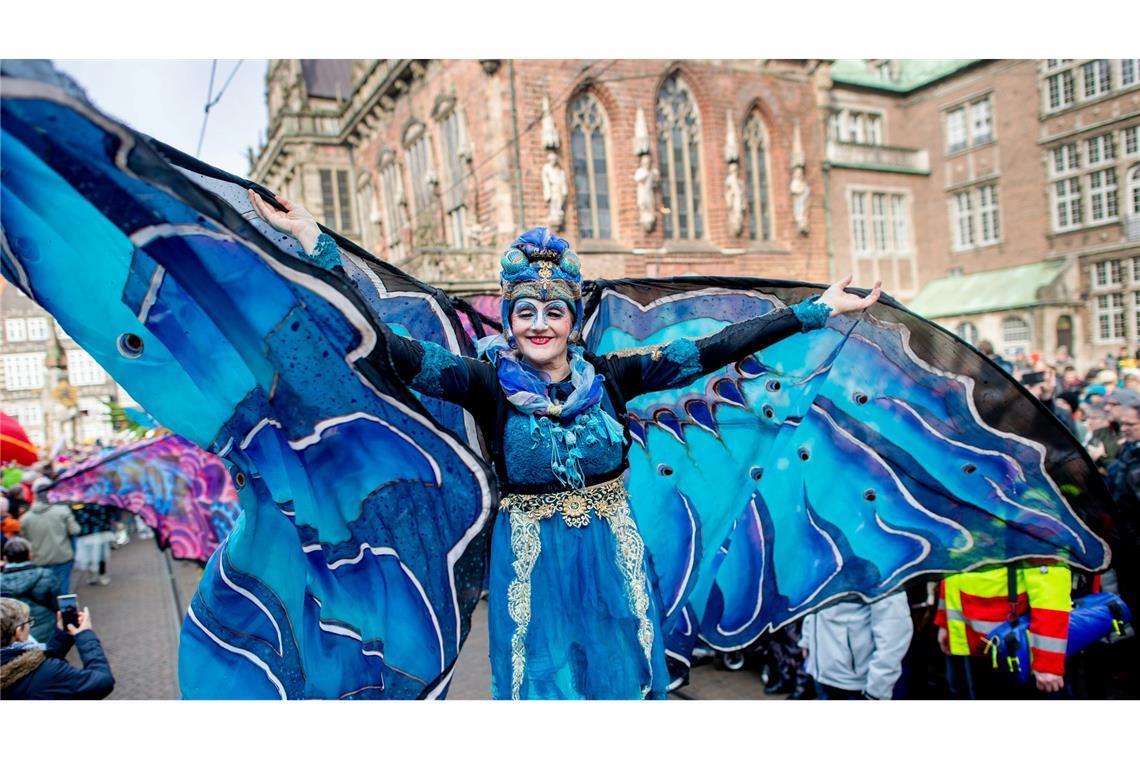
(212, 100)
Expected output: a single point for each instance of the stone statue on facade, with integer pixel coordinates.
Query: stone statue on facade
(801, 192)
(554, 191)
(645, 178)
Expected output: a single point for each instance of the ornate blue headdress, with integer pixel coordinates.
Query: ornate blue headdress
(541, 265)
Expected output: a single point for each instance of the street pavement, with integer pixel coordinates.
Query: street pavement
(138, 617)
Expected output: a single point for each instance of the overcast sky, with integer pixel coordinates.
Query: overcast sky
(165, 98)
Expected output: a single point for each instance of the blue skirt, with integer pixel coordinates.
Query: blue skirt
(572, 612)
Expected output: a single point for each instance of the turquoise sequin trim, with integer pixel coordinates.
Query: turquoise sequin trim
(685, 354)
(326, 254)
(811, 313)
(436, 359)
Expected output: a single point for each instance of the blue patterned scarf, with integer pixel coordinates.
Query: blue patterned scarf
(577, 420)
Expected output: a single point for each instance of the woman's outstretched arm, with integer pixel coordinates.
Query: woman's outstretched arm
(425, 366)
(682, 361)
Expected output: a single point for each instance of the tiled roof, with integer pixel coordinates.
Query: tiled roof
(912, 73)
(985, 292)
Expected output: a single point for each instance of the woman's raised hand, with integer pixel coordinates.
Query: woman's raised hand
(295, 220)
(842, 302)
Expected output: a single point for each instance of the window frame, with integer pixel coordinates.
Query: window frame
(692, 162)
(575, 121)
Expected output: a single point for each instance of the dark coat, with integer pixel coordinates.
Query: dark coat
(36, 587)
(35, 674)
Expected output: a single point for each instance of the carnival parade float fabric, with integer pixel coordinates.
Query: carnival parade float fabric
(840, 462)
(180, 490)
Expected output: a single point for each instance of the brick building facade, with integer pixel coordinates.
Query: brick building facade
(944, 178)
(442, 186)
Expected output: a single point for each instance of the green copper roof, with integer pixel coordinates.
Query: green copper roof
(999, 290)
(913, 73)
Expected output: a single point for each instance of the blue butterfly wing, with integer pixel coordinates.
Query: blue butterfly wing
(836, 463)
(351, 571)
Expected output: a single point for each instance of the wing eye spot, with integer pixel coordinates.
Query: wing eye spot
(969, 469)
(768, 411)
(756, 473)
(130, 345)
(869, 494)
(773, 385)
(804, 454)
(861, 398)
(664, 469)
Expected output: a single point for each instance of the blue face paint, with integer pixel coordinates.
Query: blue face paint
(539, 314)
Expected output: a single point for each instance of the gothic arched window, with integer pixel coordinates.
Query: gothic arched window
(588, 164)
(755, 163)
(678, 150)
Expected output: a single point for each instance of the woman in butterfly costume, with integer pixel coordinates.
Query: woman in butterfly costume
(571, 608)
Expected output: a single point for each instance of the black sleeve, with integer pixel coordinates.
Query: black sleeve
(433, 370)
(680, 362)
(94, 680)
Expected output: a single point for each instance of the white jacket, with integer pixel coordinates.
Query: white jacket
(858, 646)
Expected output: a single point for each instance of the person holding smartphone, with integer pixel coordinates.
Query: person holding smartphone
(29, 672)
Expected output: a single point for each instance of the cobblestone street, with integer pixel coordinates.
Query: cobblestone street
(137, 618)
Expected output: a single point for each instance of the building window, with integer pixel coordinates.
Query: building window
(968, 332)
(1108, 274)
(859, 223)
(83, 370)
(454, 195)
(591, 170)
(30, 415)
(963, 221)
(901, 225)
(988, 210)
(1131, 140)
(859, 127)
(1060, 90)
(981, 120)
(884, 70)
(38, 328)
(956, 130)
(678, 149)
(756, 179)
(1134, 190)
(1102, 196)
(1101, 148)
(395, 205)
(1014, 330)
(1065, 159)
(1096, 78)
(423, 173)
(1067, 203)
(95, 422)
(1110, 316)
(874, 129)
(1135, 270)
(24, 372)
(336, 200)
(15, 330)
(1129, 71)
(879, 222)
(1136, 314)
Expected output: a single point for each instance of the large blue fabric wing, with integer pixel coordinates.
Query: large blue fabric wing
(841, 462)
(359, 553)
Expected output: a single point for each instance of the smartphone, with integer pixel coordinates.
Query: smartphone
(69, 606)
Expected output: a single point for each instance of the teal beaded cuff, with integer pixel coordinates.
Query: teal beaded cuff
(326, 254)
(811, 313)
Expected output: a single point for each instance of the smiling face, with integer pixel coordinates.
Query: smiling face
(541, 329)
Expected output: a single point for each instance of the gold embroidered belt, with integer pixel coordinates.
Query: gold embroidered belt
(603, 499)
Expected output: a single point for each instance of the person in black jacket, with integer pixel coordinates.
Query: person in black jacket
(31, 584)
(28, 672)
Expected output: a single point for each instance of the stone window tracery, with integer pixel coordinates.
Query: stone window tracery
(678, 151)
(590, 167)
(755, 167)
